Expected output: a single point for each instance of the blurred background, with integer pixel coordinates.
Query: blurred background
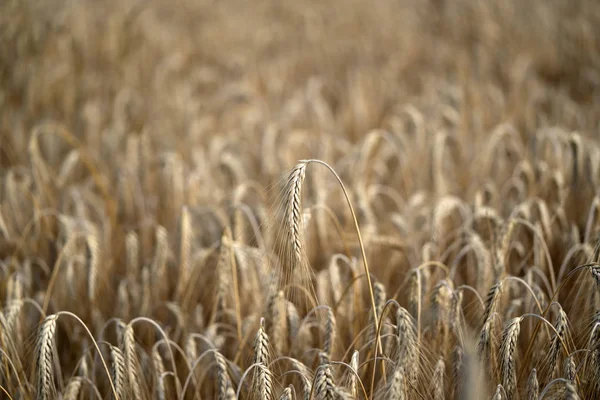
(183, 71)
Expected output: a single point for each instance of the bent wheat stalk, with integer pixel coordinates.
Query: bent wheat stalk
(294, 219)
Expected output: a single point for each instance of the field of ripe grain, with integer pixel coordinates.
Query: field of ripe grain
(299, 199)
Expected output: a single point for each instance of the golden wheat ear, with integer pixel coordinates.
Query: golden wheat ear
(293, 251)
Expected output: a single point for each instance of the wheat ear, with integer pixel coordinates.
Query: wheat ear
(498, 394)
(293, 210)
(159, 370)
(397, 385)
(329, 333)
(510, 336)
(557, 339)
(223, 380)
(45, 348)
(287, 393)
(533, 386)
(323, 384)
(131, 362)
(118, 371)
(73, 388)
(263, 382)
(437, 384)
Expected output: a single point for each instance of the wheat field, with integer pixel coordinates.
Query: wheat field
(299, 200)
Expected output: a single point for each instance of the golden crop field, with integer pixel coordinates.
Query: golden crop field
(299, 199)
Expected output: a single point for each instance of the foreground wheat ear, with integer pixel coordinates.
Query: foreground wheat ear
(293, 223)
(45, 351)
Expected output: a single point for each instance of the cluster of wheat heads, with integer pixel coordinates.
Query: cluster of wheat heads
(159, 237)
